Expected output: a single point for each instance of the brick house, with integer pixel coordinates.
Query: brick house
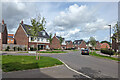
(3, 34)
(23, 37)
(10, 39)
(69, 44)
(105, 45)
(56, 43)
(98, 45)
(78, 44)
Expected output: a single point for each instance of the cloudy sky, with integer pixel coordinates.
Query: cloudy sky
(71, 20)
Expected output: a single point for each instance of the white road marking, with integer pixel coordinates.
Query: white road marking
(75, 70)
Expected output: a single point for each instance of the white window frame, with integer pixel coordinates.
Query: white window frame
(0, 36)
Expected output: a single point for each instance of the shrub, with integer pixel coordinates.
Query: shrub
(18, 48)
(57, 49)
(7, 49)
(107, 51)
(31, 48)
(14, 48)
(25, 49)
(34, 49)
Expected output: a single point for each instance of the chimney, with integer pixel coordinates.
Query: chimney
(55, 34)
(2, 21)
(22, 22)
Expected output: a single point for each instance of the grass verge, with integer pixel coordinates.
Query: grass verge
(15, 63)
(105, 57)
(52, 51)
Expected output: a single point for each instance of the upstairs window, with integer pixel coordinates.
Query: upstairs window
(43, 33)
(0, 35)
(32, 39)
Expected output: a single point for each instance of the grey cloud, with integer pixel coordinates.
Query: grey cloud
(13, 13)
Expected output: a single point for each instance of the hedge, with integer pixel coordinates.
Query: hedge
(107, 51)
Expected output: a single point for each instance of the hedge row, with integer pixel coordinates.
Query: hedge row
(107, 51)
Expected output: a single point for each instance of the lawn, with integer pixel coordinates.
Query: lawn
(105, 57)
(52, 51)
(15, 63)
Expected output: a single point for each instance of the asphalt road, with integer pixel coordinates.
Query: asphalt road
(88, 65)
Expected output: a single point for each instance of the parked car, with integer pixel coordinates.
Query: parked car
(85, 51)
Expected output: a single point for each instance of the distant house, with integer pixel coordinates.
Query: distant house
(23, 37)
(98, 45)
(3, 34)
(56, 43)
(78, 44)
(105, 45)
(69, 44)
(10, 39)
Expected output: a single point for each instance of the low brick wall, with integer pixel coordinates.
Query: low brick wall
(13, 45)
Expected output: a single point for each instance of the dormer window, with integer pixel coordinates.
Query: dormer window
(43, 33)
(32, 38)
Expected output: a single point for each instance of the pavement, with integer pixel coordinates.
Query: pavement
(51, 72)
(88, 65)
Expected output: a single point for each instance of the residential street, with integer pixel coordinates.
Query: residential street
(88, 65)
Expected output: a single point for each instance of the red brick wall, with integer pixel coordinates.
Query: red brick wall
(4, 36)
(1, 42)
(98, 46)
(55, 43)
(21, 37)
(69, 45)
(83, 45)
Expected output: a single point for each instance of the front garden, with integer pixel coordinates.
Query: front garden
(16, 63)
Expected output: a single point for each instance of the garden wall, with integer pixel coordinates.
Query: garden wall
(13, 45)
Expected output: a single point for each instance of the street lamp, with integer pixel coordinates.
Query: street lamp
(110, 40)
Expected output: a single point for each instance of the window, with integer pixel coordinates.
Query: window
(43, 33)
(41, 39)
(8, 39)
(38, 39)
(47, 40)
(11, 39)
(32, 38)
(0, 35)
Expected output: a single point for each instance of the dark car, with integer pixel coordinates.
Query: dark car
(85, 52)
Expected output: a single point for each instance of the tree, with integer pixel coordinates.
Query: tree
(116, 35)
(37, 26)
(50, 39)
(61, 40)
(92, 42)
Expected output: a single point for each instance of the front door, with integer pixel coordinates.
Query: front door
(41, 47)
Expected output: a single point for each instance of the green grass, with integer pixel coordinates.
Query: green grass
(75, 50)
(102, 56)
(15, 63)
(52, 52)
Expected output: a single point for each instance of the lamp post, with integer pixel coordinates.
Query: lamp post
(110, 39)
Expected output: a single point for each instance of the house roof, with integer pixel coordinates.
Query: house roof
(2, 27)
(77, 42)
(59, 37)
(40, 34)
